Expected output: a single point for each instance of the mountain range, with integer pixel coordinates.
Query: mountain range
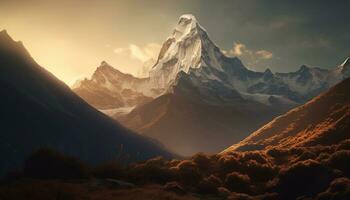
(38, 110)
(197, 96)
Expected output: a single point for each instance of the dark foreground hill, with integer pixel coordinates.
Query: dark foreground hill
(38, 110)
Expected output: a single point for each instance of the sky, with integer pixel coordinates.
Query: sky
(71, 38)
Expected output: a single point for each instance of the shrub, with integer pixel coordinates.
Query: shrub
(339, 189)
(110, 169)
(279, 156)
(340, 160)
(323, 157)
(344, 145)
(305, 178)
(277, 153)
(203, 162)
(174, 187)
(151, 172)
(306, 155)
(260, 172)
(238, 182)
(229, 164)
(188, 173)
(254, 155)
(49, 164)
(223, 192)
(209, 185)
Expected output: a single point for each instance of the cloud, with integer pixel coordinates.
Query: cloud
(138, 53)
(119, 50)
(141, 53)
(264, 54)
(240, 49)
(251, 57)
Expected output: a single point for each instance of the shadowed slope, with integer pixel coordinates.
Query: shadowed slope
(39, 110)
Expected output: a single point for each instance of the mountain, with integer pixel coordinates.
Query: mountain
(200, 108)
(324, 120)
(109, 88)
(38, 110)
(205, 99)
(189, 47)
(189, 59)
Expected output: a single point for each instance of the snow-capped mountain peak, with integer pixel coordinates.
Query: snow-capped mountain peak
(189, 47)
(187, 26)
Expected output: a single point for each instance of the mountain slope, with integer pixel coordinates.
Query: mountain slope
(187, 125)
(38, 110)
(324, 120)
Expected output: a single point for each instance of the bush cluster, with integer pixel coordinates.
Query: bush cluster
(318, 172)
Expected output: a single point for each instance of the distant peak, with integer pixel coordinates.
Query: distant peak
(5, 36)
(346, 62)
(103, 63)
(3, 31)
(104, 66)
(268, 71)
(267, 74)
(304, 68)
(107, 68)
